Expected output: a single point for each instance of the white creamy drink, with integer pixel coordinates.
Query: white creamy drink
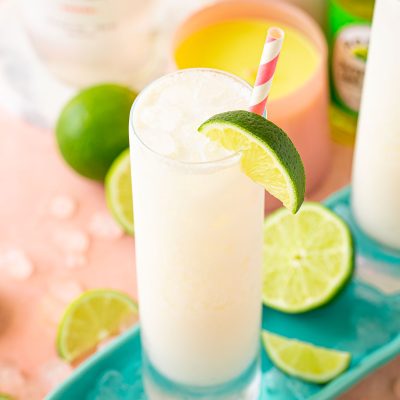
(198, 232)
(376, 174)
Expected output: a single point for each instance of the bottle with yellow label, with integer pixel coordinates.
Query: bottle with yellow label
(349, 32)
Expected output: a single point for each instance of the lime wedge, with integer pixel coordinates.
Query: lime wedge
(119, 191)
(93, 317)
(268, 155)
(308, 257)
(303, 360)
(5, 397)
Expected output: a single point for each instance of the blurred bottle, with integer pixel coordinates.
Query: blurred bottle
(349, 26)
(172, 12)
(84, 42)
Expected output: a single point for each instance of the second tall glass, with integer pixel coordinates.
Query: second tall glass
(376, 173)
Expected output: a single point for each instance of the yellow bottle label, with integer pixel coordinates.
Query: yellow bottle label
(348, 63)
(235, 46)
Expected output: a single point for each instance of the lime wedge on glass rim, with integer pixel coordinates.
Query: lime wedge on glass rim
(268, 155)
(304, 360)
(119, 191)
(308, 258)
(91, 318)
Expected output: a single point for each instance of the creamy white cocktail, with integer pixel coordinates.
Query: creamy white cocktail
(198, 230)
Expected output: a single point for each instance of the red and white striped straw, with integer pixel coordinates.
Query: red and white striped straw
(266, 70)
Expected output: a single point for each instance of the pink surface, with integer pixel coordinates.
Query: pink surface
(31, 174)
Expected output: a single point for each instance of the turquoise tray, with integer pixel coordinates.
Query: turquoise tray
(364, 319)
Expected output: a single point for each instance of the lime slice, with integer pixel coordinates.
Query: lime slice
(268, 155)
(308, 257)
(119, 191)
(303, 360)
(93, 317)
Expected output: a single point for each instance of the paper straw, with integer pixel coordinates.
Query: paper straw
(266, 70)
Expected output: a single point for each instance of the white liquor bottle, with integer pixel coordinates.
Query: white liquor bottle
(376, 173)
(84, 42)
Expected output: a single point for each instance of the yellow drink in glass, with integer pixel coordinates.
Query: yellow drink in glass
(235, 46)
(229, 35)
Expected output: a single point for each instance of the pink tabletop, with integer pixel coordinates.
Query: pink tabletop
(68, 254)
(59, 224)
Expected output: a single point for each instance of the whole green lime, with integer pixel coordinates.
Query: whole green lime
(92, 129)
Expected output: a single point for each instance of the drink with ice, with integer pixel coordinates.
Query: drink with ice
(198, 226)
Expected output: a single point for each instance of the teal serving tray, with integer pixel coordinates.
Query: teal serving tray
(363, 319)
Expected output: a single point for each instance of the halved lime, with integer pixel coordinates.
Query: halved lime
(93, 317)
(119, 191)
(268, 155)
(308, 257)
(304, 360)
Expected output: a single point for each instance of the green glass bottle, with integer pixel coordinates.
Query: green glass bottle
(348, 33)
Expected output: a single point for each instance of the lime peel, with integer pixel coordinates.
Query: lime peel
(268, 155)
(92, 128)
(304, 360)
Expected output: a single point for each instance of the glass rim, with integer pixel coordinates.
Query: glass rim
(167, 158)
